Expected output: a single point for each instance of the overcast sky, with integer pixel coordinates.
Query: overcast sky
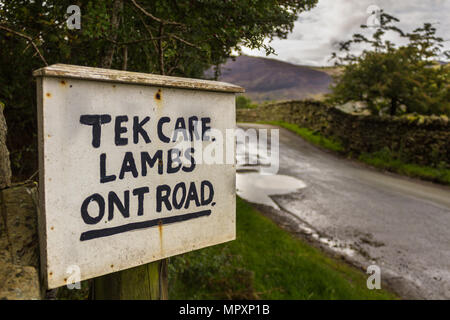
(317, 32)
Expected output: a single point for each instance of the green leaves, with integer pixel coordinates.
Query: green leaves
(387, 77)
(180, 38)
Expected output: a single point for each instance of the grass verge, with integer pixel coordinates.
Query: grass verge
(382, 159)
(309, 135)
(265, 262)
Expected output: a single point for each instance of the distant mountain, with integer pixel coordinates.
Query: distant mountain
(269, 79)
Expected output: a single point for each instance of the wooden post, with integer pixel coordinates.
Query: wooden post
(145, 282)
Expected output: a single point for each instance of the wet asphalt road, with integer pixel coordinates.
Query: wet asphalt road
(400, 224)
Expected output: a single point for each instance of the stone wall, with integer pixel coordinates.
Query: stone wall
(421, 140)
(19, 245)
(5, 168)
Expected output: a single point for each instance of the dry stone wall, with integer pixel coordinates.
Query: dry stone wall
(19, 248)
(5, 168)
(418, 139)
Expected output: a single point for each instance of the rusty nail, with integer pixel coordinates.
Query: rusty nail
(158, 95)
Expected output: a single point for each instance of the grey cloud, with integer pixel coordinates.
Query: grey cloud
(318, 31)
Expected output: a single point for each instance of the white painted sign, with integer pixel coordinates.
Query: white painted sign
(116, 188)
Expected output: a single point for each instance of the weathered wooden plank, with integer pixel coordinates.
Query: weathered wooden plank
(119, 76)
(145, 282)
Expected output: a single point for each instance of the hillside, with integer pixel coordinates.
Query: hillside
(269, 79)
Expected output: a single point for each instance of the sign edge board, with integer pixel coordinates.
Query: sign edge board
(40, 80)
(42, 226)
(127, 77)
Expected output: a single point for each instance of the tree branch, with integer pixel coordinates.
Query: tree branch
(175, 65)
(184, 41)
(148, 14)
(29, 39)
(149, 31)
(132, 41)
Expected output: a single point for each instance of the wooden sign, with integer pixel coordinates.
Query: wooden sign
(116, 190)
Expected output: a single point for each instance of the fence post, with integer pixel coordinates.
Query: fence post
(145, 282)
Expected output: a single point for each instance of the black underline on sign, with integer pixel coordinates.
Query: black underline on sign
(93, 234)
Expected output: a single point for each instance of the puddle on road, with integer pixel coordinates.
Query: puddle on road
(335, 245)
(257, 188)
(251, 182)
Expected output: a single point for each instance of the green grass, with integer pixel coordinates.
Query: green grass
(265, 262)
(384, 160)
(309, 135)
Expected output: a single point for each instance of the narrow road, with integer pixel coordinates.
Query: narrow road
(401, 225)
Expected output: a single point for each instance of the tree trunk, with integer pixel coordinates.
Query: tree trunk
(5, 167)
(125, 58)
(115, 21)
(161, 49)
(393, 109)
